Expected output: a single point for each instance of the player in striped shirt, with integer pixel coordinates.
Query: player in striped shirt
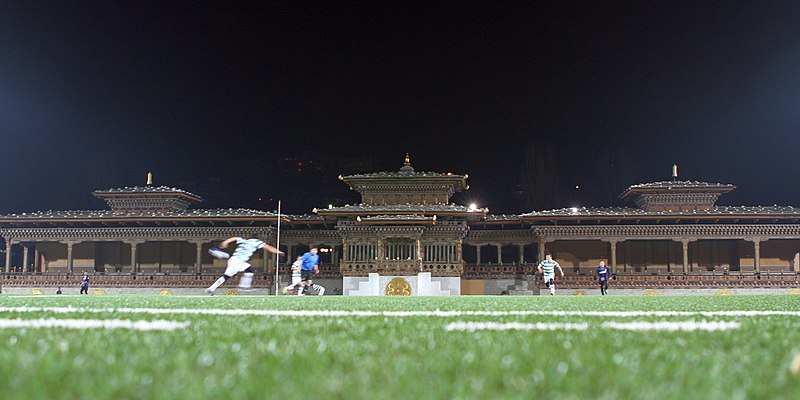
(295, 276)
(602, 277)
(548, 270)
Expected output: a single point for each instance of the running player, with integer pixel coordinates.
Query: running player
(308, 269)
(547, 269)
(238, 261)
(295, 276)
(602, 278)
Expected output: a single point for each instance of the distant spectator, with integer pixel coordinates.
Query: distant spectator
(59, 290)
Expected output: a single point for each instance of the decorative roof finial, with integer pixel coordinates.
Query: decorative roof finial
(407, 165)
(149, 178)
(674, 172)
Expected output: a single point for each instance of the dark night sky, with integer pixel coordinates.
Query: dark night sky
(212, 96)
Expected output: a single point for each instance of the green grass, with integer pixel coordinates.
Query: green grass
(250, 357)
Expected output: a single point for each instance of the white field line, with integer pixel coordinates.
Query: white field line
(667, 326)
(673, 326)
(434, 313)
(93, 324)
(513, 326)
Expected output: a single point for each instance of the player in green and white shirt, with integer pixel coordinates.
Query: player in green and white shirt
(296, 279)
(548, 270)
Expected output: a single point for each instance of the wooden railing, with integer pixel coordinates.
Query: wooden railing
(122, 280)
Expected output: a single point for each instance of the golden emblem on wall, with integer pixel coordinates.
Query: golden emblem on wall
(98, 291)
(651, 292)
(37, 291)
(231, 292)
(164, 292)
(398, 287)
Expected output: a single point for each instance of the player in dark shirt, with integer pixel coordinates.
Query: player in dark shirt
(85, 283)
(602, 277)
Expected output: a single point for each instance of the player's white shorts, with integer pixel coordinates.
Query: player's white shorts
(548, 277)
(296, 280)
(235, 265)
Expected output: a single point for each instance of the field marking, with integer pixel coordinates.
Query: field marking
(434, 313)
(664, 326)
(513, 326)
(93, 324)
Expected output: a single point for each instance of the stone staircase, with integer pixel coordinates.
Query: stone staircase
(523, 287)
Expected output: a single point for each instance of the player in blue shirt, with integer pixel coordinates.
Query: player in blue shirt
(308, 269)
(603, 274)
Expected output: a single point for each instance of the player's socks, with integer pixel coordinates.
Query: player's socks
(218, 283)
(246, 281)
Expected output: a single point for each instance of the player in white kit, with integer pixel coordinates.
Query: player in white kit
(238, 261)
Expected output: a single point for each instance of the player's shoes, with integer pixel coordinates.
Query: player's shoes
(217, 253)
(321, 292)
(210, 292)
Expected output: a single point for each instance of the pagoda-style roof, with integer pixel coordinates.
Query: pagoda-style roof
(143, 216)
(146, 190)
(677, 186)
(401, 209)
(147, 198)
(629, 212)
(412, 219)
(406, 186)
(676, 195)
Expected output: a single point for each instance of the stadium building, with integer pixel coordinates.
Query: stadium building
(407, 238)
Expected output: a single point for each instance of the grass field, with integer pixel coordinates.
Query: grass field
(247, 347)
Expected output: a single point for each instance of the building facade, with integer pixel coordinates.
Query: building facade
(405, 225)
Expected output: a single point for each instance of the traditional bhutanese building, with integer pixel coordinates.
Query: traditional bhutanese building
(407, 237)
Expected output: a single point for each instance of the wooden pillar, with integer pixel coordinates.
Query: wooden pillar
(198, 261)
(521, 248)
(541, 250)
(290, 252)
(8, 254)
(134, 258)
(37, 260)
(478, 253)
(499, 253)
(69, 257)
(613, 266)
(685, 244)
(25, 251)
(757, 255)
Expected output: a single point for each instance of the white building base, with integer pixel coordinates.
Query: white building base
(420, 285)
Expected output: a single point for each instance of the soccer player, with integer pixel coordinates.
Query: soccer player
(85, 283)
(602, 277)
(295, 276)
(308, 269)
(238, 261)
(548, 268)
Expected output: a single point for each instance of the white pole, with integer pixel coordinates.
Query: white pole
(278, 246)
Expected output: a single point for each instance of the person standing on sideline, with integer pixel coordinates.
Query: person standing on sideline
(602, 277)
(307, 270)
(85, 283)
(238, 261)
(548, 268)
